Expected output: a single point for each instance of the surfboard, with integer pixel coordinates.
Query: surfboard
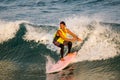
(60, 65)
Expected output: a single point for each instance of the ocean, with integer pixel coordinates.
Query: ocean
(27, 28)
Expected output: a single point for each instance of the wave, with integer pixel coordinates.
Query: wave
(99, 39)
(14, 47)
(20, 57)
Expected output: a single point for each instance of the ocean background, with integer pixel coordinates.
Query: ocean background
(27, 28)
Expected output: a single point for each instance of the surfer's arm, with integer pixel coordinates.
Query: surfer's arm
(73, 35)
(62, 36)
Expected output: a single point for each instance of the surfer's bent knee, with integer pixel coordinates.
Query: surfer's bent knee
(69, 43)
(58, 44)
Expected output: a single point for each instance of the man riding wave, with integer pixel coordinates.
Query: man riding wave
(61, 39)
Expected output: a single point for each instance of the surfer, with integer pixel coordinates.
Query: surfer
(61, 39)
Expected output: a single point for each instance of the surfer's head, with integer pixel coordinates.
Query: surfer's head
(62, 24)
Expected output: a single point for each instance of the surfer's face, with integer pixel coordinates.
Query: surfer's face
(62, 26)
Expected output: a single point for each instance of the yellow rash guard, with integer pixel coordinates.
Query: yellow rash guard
(58, 38)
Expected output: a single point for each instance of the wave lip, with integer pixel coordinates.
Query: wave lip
(9, 29)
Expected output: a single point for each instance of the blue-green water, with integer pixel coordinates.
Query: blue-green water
(26, 33)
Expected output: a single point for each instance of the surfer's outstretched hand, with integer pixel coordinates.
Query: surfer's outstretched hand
(73, 39)
(78, 39)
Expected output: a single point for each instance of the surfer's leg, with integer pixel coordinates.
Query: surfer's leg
(69, 46)
(62, 50)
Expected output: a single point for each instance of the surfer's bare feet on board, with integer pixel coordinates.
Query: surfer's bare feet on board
(69, 54)
(62, 59)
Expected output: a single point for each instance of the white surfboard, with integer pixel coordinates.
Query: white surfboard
(60, 65)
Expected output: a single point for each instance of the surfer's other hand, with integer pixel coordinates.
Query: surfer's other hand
(78, 39)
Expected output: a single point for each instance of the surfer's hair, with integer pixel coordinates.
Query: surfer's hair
(62, 22)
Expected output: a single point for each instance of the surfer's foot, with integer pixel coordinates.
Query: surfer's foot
(62, 59)
(69, 53)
